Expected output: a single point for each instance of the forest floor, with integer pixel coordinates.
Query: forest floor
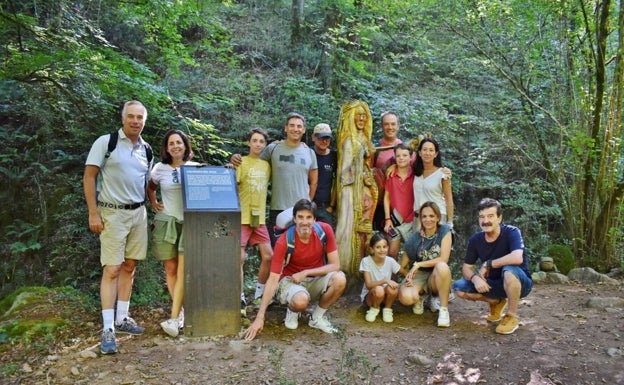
(561, 341)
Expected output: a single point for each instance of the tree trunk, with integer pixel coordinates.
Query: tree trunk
(297, 19)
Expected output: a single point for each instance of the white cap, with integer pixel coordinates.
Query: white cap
(322, 130)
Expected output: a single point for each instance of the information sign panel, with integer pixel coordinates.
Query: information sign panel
(209, 188)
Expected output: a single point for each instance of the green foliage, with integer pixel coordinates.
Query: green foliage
(250, 269)
(499, 84)
(25, 237)
(562, 256)
(150, 287)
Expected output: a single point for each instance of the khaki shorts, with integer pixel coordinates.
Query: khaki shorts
(314, 287)
(161, 249)
(124, 235)
(422, 279)
(405, 229)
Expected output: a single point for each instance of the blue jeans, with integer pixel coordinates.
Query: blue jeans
(497, 285)
(324, 216)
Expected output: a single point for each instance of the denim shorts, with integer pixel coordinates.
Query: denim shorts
(497, 285)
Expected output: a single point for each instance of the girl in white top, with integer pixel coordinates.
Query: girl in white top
(378, 284)
(431, 183)
(167, 243)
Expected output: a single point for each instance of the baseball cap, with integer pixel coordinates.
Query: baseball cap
(322, 130)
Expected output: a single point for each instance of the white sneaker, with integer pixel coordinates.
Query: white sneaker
(292, 319)
(170, 327)
(322, 324)
(418, 307)
(371, 314)
(386, 315)
(434, 304)
(444, 320)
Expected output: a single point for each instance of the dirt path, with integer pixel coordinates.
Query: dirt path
(560, 341)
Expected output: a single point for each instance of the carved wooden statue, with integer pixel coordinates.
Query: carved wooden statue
(356, 188)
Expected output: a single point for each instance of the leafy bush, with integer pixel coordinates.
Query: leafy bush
(562, 256)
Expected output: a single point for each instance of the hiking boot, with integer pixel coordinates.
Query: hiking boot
(108, 345)
(371, 314)
(496, 310)
(386, 315)
(444, 320)
(292, 319)
(129, 326)
(322, 324)
(243, 307)
(171, 327)
(434, 304)
(508, 324)
(418, 307)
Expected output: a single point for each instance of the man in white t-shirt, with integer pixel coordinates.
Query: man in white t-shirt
(118, 215)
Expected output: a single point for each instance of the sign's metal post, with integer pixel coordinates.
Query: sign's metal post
(211, 251)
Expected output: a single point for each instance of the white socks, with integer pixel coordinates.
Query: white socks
(108, 319)
(318, 313)
(122, 311)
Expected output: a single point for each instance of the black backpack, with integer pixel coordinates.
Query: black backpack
(112, 144)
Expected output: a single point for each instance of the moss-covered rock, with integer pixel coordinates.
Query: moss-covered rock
(39, 316)
(562, 256)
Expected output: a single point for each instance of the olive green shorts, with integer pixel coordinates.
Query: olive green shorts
(161, 249)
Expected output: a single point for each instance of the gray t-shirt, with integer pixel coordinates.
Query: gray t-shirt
(290, 167)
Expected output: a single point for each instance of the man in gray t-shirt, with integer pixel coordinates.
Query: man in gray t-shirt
(294, 170)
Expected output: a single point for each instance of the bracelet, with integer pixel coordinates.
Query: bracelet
(473, 275)
(386, 219)
(489, 264)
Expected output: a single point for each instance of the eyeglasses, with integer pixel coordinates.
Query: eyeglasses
(174, 176)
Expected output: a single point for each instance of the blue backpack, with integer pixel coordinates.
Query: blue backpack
(290, 241)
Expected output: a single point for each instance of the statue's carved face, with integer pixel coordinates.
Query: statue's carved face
(360, 118)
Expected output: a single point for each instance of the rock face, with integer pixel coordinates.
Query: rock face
(605, 302)
(585, 275)
(551, 277)
(589, 275)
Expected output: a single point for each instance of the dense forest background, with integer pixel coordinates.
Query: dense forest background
(524, 97)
